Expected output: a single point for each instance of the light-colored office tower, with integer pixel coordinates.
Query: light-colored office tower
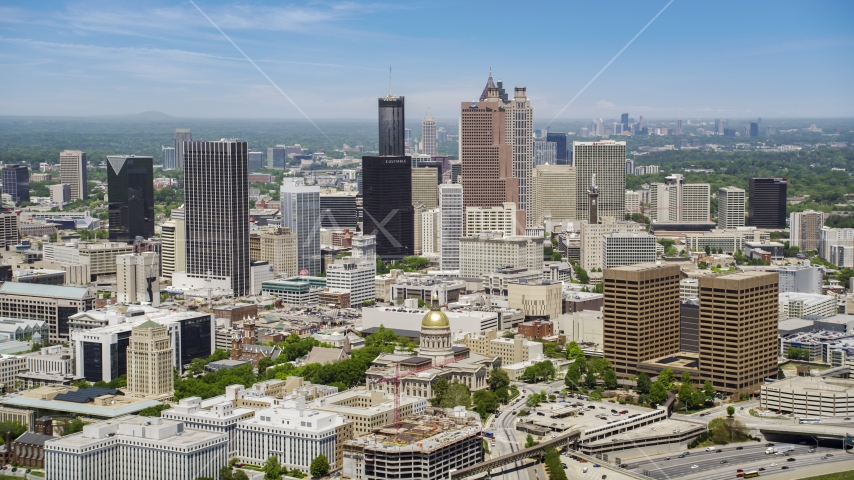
(169, 158)
(630, 166)
(607, 160)
(620, 249)
(301, 213)
(182, 136)
(216, 214)
(804, 229)
(640, 314)
(173, 247)
(545, 153)
(428, 135)
(519, 125)
(219, 418)
(492, 219)
(149, 357)
(137, 278)
(72, 172)
(9, 229)
(99, 257)
(425, 181)
(359, 278)
(738, 330)
(485, 253)
(730, 207)
(451, 208)
(134, 447)
(167, 248)
(486, 165)
(278, 247)
(60, 194)
(677, 202)
(591, 238)
(554, 193)
(364, 248)
(633, 201)
(696, 198)
(431, 231)
(418, 210)
(831, 237)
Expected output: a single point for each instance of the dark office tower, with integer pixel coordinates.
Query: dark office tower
(560, 140)
(392, 131)
(338, 211)
(216, 212)
(456, 169)
(16, 182)
(718, 127)
(624, 119)
(181, 135)
(387, 203)
(754, 129)
(130, 190)
(767, 202)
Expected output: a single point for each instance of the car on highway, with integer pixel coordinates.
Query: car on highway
(773, 465)
(761, 469)
(847, 418)
(828, 455)
(785, 467)
(739, 470)
(769, 444)
(695, 466)
(724, 462)
(596, 465)
(812, 450)
(739, 448)
(668, 458)
(790, 459)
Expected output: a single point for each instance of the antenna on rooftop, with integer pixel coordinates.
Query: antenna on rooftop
(389, 81)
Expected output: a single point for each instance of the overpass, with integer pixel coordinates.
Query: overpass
(564, 440)
(811, 430)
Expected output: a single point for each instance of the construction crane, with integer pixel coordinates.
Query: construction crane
(395, 381)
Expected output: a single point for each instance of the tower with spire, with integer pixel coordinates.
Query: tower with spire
(391, 123)
(428, 135)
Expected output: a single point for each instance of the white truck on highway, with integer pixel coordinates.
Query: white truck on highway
(782, 448)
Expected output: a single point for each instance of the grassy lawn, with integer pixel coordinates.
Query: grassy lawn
(849, 475)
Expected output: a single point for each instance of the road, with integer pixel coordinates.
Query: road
(503, 426)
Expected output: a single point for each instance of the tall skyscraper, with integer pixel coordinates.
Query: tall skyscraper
(276, 157)
(719, 127)
(169, 159)
(560, 146)
(753, 130)
(545, 153)
(805, 227)
(679, 127)
(216, 209)
(730, 207)
(624, 120)
(553, 188)
(606, 159)
(387, 205)
(130, 188)
(173, 252)
(424, 182)
(16, 182)
(519, 124)
(181, 135)
(677, 201)
(137, 278)
(149, 354)
(767, 202)
(72, 172)
(392, 129)
(301, 213)
(428, 135)
(451, 206)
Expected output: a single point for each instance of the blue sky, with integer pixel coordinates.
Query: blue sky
(697, 60)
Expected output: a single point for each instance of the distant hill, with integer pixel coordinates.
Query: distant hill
(149, 116)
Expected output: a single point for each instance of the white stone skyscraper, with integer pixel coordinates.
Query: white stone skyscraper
(428, 135)
(730, 207)
(149, 357)
(137, 278)
(301, 213)
(182, 135)
(519, 128)
(72, 171)
(606, 159)
(451, 207)
(680, 202)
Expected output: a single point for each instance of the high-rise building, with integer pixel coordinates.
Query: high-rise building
(255, 158)
(72, 171)
(492, 219)
(607, 160)
(428, 135)
(358, 278)
(620, 249)
(364, 248)
(431, 234)
(767, 202)
(753, 129)
(182, 136)
(676, 201)
(624, 121)
(633, 201)
(338, 211)
(486, 253)
(174, 244)
(387, 205)
(519, 125)
(730, 207)
(679, 126)
(301, 213)
(451, 206)
(545, 153)
(640, 315)
(278, 247)
(804, 229)
(391, 123)
(591, 238)
(130, 188)
(719, 127)
(560, 146)
(456, 170)
(137, 278)
(738, 330)
(553, 188)
(168, 159)
(149, 357)
(277, 157)
(16, 183)
(424, 183)
(216, 212)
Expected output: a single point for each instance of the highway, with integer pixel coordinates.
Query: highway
(503, 427)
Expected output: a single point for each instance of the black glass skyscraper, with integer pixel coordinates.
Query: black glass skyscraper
(130, 191)
(387, 204)
(16, 182)
(767, 202)
(560, 140)
(392, 130)
(754, 129)
(624, 119)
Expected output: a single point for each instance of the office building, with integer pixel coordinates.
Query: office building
(624, 121)
(731, 202)
(338, 211)
(130, 189)
(276, 157)
(391, 126)
(168, 158)
(559, 140)
(607, 160)
(72, 172)
(487, 156)
(804, 228)
(674, 201)
(220, 418)
(554, 193)
(387, 204)
(99, 257)
(255, 160)
(511, 350)
(369, 410)
(767, 202)
(806, 305)
(216, 214)
(633, 201)
(137, 277)
(174, 244)
(428, 135)
(278, 247)
(145, 448)
(16, 183)
(424, 183)
(8, 229)
(149, 355)
(545, 153)
(183, 136)
(48, 303)
(519, 127)
(627, 249)
(492, 219)
(538, 299)
(753, 130)
(640, 314)
(451, 208)
(60, 194)
(301, 213)
(456, 171)
(591, 239)
(431, 231)
(485, 253)
(358, 278)
(689, 322)
(738, 346)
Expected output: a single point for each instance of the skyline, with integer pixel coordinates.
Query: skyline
(332, 59)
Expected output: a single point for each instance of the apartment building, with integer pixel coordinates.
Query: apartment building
(491, 219)
(511, 350)
(731, 202)
(627, 249)
(591, 238)
(804, 229)
(485, 253)
(554, 193)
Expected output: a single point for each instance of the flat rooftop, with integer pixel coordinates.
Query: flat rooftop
(664, 427)
(683, 360)
(419, 433)
(814, 384)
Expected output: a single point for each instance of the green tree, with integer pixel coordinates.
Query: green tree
(319, 466)
(573, 351)
(530, 442)
(730, 410)
(657, 393)
(497, 378)
(709, 389)
(225, 473)
(14, 428)
(610, 378)
(573, 375)
(686, 394)
(240, 475)
(643, 383)
(686, 377)
(666, 378)
(272, 468)
(590, 379)
(458, 395)
(598, 365)
(485, 403)
(154, 411)
(440, 389)
(75, 426)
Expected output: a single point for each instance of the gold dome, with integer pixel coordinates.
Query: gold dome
(435, 319)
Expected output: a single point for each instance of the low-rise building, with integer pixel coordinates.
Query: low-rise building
(809, 396)
(541, 299)
(219, 418)
(516, 370)
(536, 329)
(295, 290)
(800, 305)
(53, 359)
(475, 321)
(67, 400)
(368, 410)
(484, 253)
(511, 350)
